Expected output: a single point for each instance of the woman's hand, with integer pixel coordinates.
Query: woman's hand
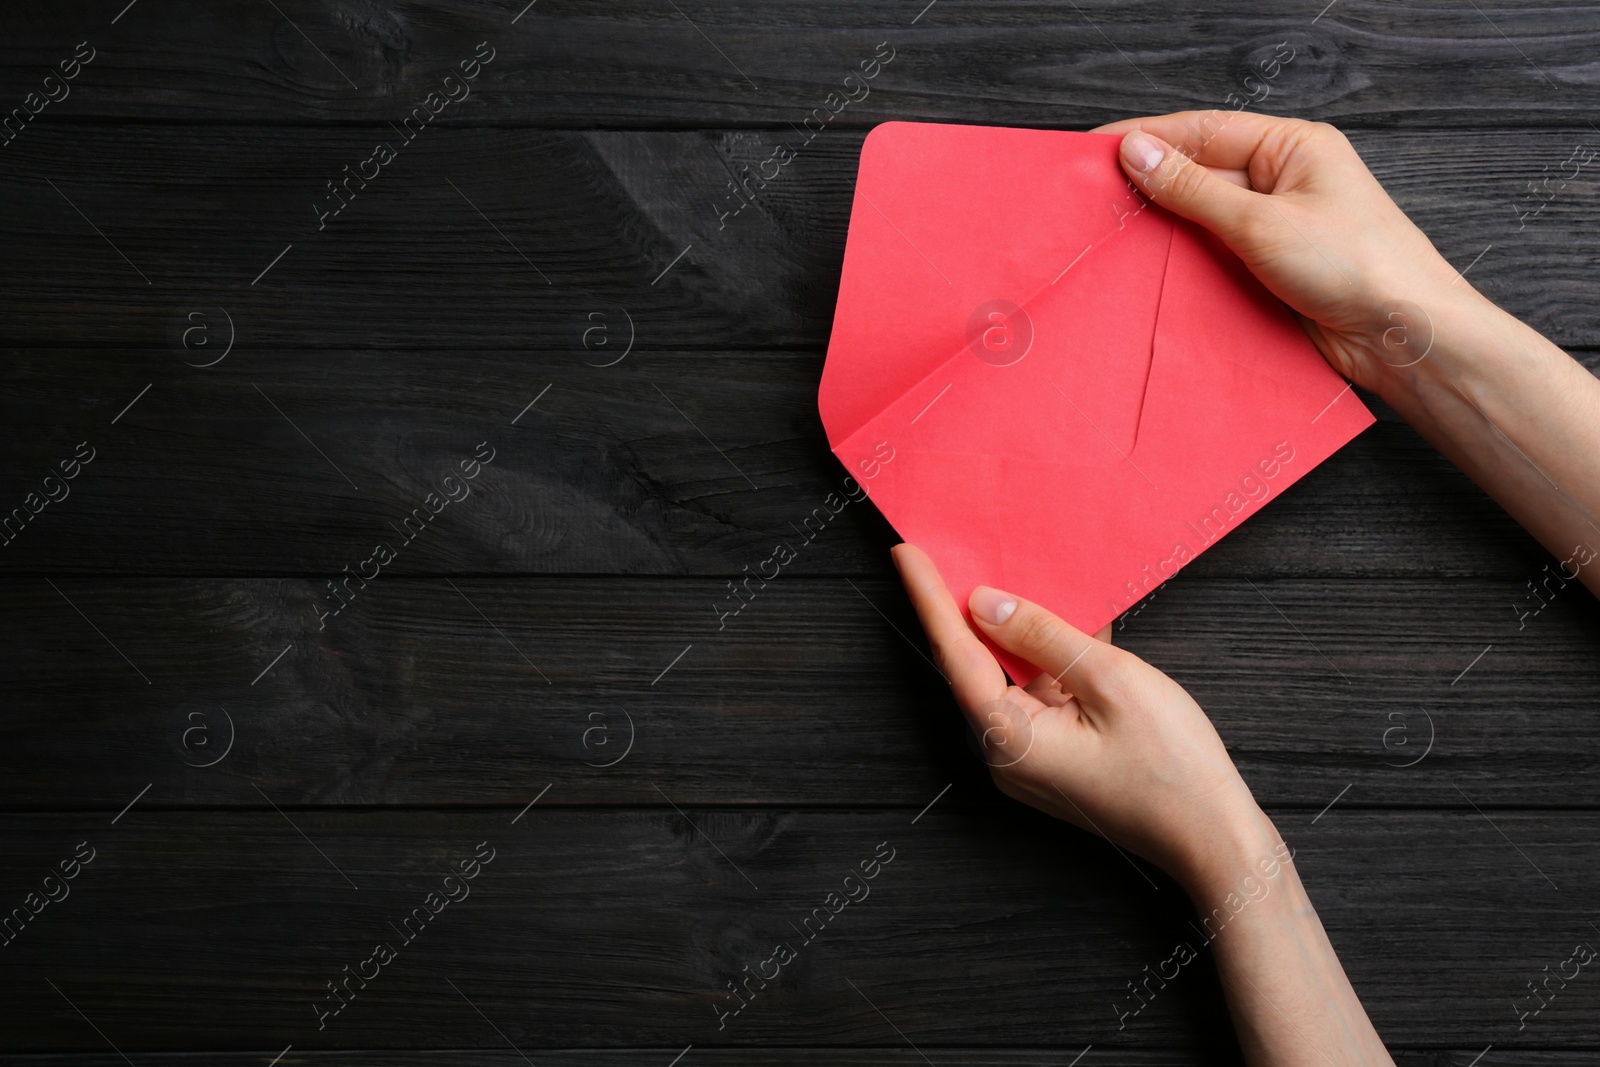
(1100, 739)
(1295, 202)
(1106, 741)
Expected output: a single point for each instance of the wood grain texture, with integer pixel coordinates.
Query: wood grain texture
(477, 239)
(780, 1057)
(637, 63)
(483, 692)
(293, 463)
(620, 929)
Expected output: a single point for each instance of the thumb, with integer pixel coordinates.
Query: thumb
(1168, 176)
(1069, 656)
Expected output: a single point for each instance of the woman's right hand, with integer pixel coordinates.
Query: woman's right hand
(1100, 738)
(1295, 202)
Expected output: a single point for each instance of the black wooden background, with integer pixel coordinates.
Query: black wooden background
(265, 400)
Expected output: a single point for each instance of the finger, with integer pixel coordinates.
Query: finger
(1021, 627)
(974, 676)
(1104, 634)
(1005, 732)
(1241, 178)
(1171, 179)
(1226, 139)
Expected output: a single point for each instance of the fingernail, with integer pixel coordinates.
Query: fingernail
(1142, 151)
(991, 605)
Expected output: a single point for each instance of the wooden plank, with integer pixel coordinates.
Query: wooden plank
(605, 62)
(193, 930)
(291, 462)
(774, 1057)
(592, 1057)
(476, 239)
(475, 691)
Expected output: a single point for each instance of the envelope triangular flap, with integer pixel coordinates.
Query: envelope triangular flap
(1233, 374)
(946, 218)
(1073, 400)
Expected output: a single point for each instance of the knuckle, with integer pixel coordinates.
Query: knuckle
(967, 656)
(1327, 129)
(960, 658)
(1035, 631)
(1184, 179)
(1202, 129)
(1251, 228)
(1329, 134)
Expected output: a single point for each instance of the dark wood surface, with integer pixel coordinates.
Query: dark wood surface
(1433, 756)
(522, 232)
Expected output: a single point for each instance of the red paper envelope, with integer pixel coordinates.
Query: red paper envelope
(1050, 385)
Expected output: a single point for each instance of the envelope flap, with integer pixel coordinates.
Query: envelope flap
(945, 219)
(1232, 372)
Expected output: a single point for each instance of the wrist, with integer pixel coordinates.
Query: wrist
(1455, 344)
(1235, 858)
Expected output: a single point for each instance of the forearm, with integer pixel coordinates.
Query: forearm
(1517, 415)
(1291, 1002)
